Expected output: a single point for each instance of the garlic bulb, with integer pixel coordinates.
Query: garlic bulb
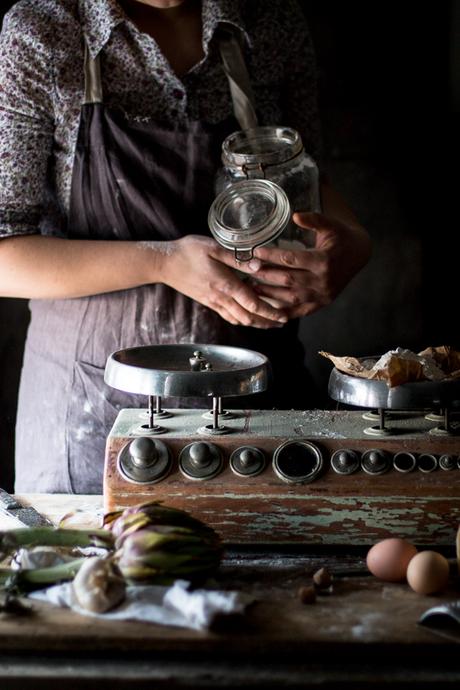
(99, 585)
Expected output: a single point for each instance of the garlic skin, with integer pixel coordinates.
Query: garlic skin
(99, 585)
(38, 557)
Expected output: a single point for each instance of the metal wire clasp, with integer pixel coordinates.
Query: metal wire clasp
(242, 255)
(260, 167)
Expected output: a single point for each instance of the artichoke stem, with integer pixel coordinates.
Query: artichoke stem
(14, 539)
(35, 578)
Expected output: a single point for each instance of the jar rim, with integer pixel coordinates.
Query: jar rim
(267, 145)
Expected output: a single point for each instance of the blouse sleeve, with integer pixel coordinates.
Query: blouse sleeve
(26, 121)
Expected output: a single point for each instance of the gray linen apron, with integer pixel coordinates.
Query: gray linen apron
(131, 181)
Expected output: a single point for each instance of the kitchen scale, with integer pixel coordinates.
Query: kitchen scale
(284, 476)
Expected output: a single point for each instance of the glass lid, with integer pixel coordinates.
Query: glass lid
(248, 214)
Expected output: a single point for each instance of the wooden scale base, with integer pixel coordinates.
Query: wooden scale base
(285, 477)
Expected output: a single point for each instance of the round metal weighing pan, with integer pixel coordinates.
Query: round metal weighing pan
(165, 370)
(418, 395)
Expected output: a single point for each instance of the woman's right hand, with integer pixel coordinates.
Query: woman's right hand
(195, 266)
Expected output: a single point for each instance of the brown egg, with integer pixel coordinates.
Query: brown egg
(388, 559)
(428, 572)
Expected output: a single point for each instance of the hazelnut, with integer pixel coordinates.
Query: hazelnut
(322, 578)
(307, 595)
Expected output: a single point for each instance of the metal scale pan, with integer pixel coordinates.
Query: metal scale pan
(178, 371)
(418, 395)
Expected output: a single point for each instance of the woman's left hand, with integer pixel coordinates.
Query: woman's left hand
(306, 280)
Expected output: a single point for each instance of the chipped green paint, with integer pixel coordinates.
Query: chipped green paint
(333, 519)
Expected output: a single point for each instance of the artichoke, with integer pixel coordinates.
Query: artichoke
(158, 544)
(149, 543)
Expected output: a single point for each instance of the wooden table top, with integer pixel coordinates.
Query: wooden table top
(362, 619)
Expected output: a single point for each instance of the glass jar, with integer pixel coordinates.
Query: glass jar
(266, 177)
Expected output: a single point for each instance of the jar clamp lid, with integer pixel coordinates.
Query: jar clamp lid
(248, 214)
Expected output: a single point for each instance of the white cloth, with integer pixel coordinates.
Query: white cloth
(175, 605)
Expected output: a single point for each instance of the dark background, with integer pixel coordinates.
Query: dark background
(389, 81)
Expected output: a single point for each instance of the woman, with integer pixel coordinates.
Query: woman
(136, 163)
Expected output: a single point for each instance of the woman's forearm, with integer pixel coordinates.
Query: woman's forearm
(41, 267)
(51, 268)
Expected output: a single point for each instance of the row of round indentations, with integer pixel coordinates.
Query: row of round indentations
(377, 461)
(203, 460)
(293, 461)
(147, 460)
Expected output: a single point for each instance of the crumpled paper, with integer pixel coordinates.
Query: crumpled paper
(176, 605)
(403, 366)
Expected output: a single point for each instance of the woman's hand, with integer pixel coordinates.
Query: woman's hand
(306, 280)
(195, 266)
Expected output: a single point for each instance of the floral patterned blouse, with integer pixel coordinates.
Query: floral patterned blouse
(42, 84)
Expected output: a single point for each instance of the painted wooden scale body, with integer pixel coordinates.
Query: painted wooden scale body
(291, 476)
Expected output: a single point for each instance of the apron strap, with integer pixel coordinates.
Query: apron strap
(234, 68)
(238, 79)
(93, 81)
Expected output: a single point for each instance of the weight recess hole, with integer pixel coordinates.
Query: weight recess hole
(404, 462)
(297, 461)
(426, 462)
